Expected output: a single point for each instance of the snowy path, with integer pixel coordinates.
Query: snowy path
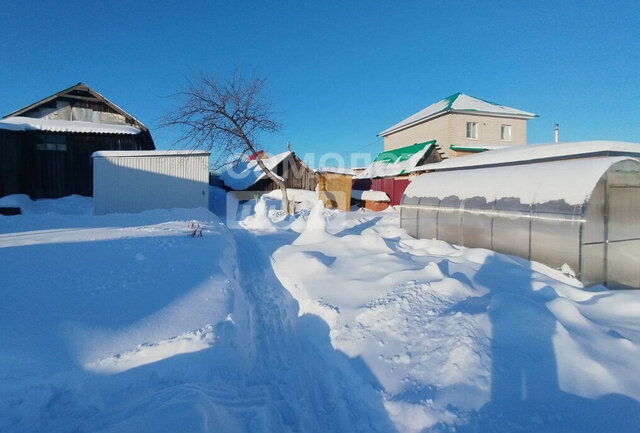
(310, 386)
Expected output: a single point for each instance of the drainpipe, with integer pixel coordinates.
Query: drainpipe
(555, 135)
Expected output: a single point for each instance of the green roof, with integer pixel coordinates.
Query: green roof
(402, 153)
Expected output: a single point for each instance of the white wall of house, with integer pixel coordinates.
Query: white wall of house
(134, 181)
(451, 128)
(438, 128)
(488, 131)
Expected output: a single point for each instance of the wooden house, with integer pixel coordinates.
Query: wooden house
(46, 147)
(248, 176)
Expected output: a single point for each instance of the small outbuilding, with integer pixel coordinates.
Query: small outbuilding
(584, 213)
(334, 187)
(129, 182)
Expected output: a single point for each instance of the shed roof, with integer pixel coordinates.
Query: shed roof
(517, 155)
(458, 103)
(246, 173)
(570, 180)
(19, 123)
(128, 153)
(397, 161)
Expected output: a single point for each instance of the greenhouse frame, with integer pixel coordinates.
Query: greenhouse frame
(580, 212)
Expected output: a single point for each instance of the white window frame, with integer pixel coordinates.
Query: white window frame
(505, 127)
(472, 130)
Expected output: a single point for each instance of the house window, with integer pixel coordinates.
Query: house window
(472, 130)
(505, 133)
(52, 142)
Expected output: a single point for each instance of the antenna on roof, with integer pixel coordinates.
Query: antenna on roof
(289, 146)
(555, 135)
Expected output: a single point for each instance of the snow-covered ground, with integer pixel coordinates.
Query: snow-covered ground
(326, 321)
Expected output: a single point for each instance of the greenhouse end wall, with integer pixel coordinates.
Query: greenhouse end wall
(585, 213)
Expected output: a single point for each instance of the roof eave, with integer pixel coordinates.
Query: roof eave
(393, 130)
(492, 114)
(415, 122)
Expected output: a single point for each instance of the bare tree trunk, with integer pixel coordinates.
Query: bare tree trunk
(273, 177)
(280, 183)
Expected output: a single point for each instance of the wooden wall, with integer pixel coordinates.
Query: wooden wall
(30, 167)
(296, 174)
(335, 190)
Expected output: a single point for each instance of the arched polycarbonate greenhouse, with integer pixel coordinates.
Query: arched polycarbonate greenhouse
(582, 212)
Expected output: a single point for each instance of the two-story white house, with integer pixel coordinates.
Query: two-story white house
(461, 124)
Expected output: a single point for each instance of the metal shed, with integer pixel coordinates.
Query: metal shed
(134, 181)
(582, 212)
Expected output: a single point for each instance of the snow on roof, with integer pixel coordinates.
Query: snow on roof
(570, 180)
(19, 123)
(337, 170)
(397, 161)
(121, 153)
(369, 195)
(458, 103)
(536, 153)
(246, 173)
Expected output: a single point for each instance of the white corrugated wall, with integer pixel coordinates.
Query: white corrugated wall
(130, 184)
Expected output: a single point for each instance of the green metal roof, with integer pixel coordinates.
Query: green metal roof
(402, 153)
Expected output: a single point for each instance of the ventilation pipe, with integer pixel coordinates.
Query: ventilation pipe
(555, 135)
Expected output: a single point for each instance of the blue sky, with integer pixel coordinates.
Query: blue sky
(339, 72)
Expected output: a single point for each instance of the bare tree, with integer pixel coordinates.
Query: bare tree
(226, 116)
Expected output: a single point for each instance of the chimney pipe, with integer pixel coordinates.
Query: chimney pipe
(555, 135)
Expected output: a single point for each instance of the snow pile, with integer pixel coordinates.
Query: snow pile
(302, 196)
(259, 220)
(147, 353)
(468, 338)
(369, 195)
(70, 205)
